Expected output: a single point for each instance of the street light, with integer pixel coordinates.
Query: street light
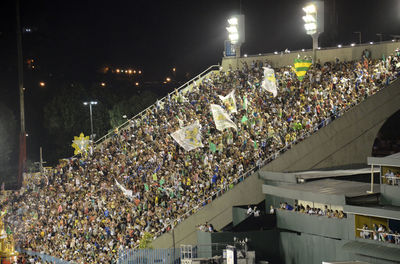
(91, 116)
(314, 22)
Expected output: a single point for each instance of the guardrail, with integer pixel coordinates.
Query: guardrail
(183, 86)
(380, 235)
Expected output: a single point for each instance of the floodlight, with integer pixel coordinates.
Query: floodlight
(309, 18)
(310, 9)
(234, 37)
(233, 21)
(232, 29)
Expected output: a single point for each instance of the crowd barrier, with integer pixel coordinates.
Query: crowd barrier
(150, 256)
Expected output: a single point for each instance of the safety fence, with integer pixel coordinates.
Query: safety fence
(150, 256)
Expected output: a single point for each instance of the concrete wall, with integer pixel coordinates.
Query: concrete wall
(347, 53)
(347, 140)
(219, 213)
(238, 215)
(312, 249)
(390, 194)
(317, 225)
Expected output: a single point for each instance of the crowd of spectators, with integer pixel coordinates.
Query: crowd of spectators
(78, 212)
(380, 233)
(311, 210)
(207, 227)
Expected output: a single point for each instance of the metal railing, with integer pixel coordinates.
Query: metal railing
(150, 256)
(381, 235)
(183, 86)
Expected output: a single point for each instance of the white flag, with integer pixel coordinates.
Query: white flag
(269, 81)
(221, 118)
(189, 137)
(127, 193)
(229, 101)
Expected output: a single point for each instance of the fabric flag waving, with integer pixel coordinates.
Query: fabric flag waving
(301, 67)
(269, 81)
(189, 137)
(229, 101)
(221, 118)
(80, 144)
(127, 193)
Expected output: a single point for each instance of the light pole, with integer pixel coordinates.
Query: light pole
(91, 115)
(314, 23)
(236, 35)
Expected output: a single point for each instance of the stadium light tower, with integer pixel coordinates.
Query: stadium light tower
(314, 22)
(91, 117)
(236, 35)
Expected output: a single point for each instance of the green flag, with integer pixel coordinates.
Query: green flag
(162, 181)
(146, 187)
(244, 119)
(301, 67)
(213, 147)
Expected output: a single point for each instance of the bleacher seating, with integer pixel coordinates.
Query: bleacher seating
(79, 212)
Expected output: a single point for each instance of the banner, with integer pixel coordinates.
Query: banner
(127, 193)
(269, 81)
(301, 67)
(189, 137)
(80, 144)
(229, 101)
(221, 118)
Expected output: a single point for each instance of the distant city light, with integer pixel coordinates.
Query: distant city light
(168, 79)
(339, 46)
(352, 44)
(42, 84)
(136, 83)
(134, 71)
(130, 71)
(371, 43)
(140, 72)
(117, 70)
(174, 69)
(103, 84)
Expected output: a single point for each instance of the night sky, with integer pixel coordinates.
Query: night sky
(74, 39)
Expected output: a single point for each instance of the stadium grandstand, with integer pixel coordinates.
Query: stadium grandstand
(192, 156)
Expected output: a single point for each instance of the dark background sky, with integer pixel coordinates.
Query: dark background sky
(73, 39)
